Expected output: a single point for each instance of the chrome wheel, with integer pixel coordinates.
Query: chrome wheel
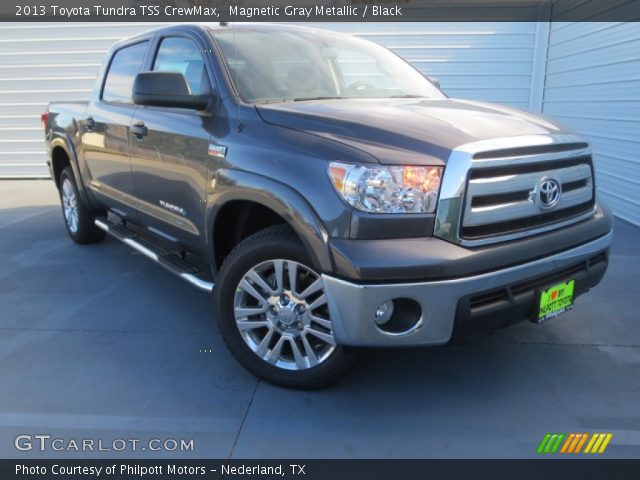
(70, 205)
(281, 312)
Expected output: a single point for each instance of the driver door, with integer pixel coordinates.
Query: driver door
(169, 150)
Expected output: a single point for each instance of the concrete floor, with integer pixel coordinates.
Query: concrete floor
(97, 342)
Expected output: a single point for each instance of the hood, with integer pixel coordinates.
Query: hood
(405, 131)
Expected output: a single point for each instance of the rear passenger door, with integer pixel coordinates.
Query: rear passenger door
(106, 128)
(169, 160)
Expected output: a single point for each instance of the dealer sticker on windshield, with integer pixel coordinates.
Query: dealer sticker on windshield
(555, 300)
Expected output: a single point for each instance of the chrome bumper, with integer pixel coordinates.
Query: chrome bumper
(353, 306)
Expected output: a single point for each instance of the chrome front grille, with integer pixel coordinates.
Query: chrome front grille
(498, 190)
(504, 200)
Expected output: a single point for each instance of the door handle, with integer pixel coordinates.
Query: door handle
(89, 124)
(139, 130)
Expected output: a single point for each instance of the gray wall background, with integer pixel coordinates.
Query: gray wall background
(585, 75)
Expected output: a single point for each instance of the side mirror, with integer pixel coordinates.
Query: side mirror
(166, 89)
(433, 80)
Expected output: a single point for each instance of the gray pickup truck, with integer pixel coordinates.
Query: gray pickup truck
(328, 194)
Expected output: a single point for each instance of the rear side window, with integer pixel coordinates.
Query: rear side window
(182, 55)
(125, 65)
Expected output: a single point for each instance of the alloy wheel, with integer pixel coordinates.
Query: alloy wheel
(70, 205)
(281, 312)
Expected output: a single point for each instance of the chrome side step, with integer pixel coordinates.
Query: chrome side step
(174, 265)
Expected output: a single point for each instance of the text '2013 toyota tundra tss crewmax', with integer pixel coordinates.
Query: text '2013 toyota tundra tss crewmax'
(327, 193)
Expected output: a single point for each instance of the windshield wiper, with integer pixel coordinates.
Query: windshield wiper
(408, 96)
(278, 100)
(304, 99)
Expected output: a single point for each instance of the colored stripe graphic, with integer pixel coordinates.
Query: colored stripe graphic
(598, 443)
(596, 446)
(543, 443)
(547, 448)
(582, 441)
(556, 445)
(606, 441)
(551, 442)
(573, 442)
(592, 441)
(570, 439)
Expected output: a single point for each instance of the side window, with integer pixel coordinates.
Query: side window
(182, 55)
(124, 67)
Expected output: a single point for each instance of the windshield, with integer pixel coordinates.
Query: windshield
(295, 65)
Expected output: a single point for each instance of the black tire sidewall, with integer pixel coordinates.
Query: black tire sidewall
(246, 256)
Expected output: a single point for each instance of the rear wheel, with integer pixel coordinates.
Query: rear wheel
(78, 219)
(272, 312)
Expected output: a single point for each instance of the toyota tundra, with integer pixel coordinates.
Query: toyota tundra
(326, 193)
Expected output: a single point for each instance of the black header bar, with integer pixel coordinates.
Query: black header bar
(320, 469)
(319, 10)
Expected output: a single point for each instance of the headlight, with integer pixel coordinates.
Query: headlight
(387, 189)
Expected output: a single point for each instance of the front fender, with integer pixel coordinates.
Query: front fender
(229, 185)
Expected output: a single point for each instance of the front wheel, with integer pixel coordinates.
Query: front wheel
(273, 315)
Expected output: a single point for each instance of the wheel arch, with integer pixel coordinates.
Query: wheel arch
(59, 161)
(63, 155)
(238, 192)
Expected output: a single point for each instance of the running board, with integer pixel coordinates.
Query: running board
(172, 263)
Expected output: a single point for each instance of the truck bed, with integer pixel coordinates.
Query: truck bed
(65, 115)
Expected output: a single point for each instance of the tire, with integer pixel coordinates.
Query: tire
(78, 219)
(283, 321)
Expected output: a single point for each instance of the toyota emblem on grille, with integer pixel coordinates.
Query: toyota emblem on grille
(549, 191)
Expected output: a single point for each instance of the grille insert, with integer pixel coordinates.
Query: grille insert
(523, 224)
(503, 200)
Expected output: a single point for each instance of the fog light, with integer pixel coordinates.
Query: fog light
(384, 312)
(400, 316)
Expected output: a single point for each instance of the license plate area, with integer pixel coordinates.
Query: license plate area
(554, 300)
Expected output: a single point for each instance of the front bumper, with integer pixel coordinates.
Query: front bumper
(453, 302)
